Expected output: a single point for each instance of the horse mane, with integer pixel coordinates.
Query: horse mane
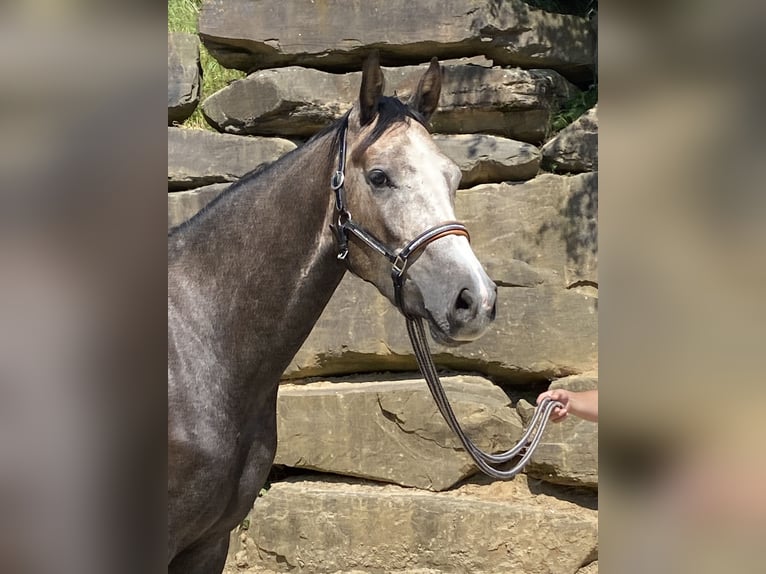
(391, 110)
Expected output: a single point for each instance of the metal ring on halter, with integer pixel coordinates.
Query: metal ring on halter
(337, 181)
(399, 265)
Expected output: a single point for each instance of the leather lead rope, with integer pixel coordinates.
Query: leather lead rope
(483, 460)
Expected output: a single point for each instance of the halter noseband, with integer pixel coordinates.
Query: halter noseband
(347, 226)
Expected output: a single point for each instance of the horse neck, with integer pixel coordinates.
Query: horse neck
(261, 262)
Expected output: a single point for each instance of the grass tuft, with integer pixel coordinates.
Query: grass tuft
(573, 109)
(183, 16)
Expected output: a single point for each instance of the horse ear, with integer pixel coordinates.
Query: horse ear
(426, 98)
(371, 90)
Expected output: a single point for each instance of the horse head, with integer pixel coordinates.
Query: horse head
(396, 195)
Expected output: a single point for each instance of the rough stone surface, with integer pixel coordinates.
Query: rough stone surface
(297, 102)
(575, 148)
(391, 430)
(591, 568)
(289, 102)
(540, 333)
(336, 35)
(568, 452)
(548, 223)
(202, 157)
(489, 159)
(183, 76)
(182, 205)
(307, 525)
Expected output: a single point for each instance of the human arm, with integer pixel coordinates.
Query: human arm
(583, 404)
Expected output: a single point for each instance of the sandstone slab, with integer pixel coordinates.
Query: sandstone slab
(568, 451)
(335, 35)
(392, 430)
(298, 102)
(183, 76)
(304, 525)
(183, 205)
(549, 223)
(575, 148)
(544, 332)
(201, 157)
(489, 159)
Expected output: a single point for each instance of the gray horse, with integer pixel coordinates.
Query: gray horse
(250, 274)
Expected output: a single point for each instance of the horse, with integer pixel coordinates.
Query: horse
(250, 274)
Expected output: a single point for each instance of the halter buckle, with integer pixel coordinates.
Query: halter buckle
(337, 180)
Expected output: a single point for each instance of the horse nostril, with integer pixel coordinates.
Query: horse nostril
(493, 313)
(464, 300)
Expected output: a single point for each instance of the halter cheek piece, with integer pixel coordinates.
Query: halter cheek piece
(346, 226)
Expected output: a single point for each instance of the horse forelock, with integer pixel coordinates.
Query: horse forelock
(391, 111)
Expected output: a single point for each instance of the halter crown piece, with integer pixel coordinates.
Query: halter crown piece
(400, 261)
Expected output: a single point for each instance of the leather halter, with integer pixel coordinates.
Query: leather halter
(346, 226)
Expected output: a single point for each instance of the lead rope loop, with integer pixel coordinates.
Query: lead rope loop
(484, 461)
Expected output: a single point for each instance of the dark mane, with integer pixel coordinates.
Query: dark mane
(391, 110)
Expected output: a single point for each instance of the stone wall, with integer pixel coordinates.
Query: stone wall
(369, 477)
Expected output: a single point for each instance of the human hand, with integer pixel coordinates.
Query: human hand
(558, 414)
(583, 404)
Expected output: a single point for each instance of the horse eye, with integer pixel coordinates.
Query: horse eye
(377, 178)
